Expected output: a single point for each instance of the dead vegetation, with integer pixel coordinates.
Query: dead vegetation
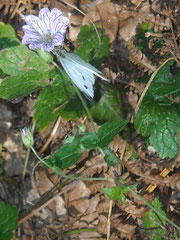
(83, 208)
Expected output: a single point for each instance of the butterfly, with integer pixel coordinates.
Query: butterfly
(80, 72)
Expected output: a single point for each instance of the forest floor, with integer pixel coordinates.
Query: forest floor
(52, 207)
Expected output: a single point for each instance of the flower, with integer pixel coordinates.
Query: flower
(45, 31)
(27, 137)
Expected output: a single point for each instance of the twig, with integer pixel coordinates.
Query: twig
(149, 83)
(51, 136)
(99, 39)
(109, 220)
(35, 211)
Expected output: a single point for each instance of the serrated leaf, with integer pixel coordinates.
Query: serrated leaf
(108, 131)
(108, 108)
(152, 221)
(67, 155)
(89, 44)
(110, 158)
(89, 140)
(8, 220)
(159, 122)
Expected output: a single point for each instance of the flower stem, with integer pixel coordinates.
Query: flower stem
(57, 171)
(28, 154)
(150, 206)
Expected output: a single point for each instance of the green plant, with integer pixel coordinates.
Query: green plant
(8, 220)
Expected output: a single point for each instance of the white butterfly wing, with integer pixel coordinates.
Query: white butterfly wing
(83, 79)
(76, 59)
(81, 72)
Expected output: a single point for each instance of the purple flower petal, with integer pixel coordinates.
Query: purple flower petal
(45, 31)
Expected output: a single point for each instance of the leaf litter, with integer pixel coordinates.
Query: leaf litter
(83, 207)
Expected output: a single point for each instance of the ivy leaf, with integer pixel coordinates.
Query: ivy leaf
(110, 158)
(108, 131)
(89, 140)
(152, 221)
(8, 221)
(89, 43)
(160, 123)
(67, 155)
(108, 108)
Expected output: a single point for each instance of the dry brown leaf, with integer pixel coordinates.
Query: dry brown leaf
(103, 205)
(126, 230)
(102, 224)
(75, 26)
(128, 30)
(96, 165)
(79, 191)
(132, 208)
(117, 144)
(107, 14)
(97, 186)
(137, 57)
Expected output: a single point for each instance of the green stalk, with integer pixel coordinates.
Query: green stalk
(28, 154)
(150, 206)
(62, 174)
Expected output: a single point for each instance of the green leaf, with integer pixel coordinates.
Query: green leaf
(89, 140)
(17, 86)
(116, 193)
(8, 220)
(1, 73)
(152, 221)
(67, 155)
(89, 44)
(161, 90)
(108, 131)
(163, 74)
(110, 157)
(27, 70)
(57, 99)
(16, 58)
(108, 108)
(160, 123)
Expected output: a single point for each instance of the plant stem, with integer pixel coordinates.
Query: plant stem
(57, 171)
(151, 207)
(28, 154)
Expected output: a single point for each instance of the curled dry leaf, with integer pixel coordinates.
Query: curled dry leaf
(117, 144)
(132, 208)
(96, 165)
(137, 57)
